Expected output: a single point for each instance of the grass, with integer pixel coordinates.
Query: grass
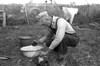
(87, 53)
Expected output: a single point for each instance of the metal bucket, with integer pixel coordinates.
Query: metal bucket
(25, 40)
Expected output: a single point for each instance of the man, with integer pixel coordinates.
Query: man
(61, 35)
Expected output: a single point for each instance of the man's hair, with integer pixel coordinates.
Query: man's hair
(54, 10)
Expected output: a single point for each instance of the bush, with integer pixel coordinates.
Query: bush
(89, 13)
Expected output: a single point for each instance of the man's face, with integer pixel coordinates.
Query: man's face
(46, 20)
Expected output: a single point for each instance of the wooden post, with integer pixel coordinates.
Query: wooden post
(26, 14)
(4, 19)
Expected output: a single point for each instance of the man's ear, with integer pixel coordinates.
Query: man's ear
(37, 17)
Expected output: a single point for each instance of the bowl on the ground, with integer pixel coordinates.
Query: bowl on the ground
(31, 51)
(25, 40)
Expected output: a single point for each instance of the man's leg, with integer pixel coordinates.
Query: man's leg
(62, 47)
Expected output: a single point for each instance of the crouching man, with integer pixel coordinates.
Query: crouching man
(61, 34)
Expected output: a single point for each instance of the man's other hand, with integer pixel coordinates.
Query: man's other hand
(35, 43)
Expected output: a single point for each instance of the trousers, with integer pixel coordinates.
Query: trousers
(69, 40)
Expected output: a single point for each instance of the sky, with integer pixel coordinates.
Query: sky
(78, 2)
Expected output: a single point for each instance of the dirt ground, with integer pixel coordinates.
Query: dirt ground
(87, 53)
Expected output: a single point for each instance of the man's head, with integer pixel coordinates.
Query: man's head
(44, 18)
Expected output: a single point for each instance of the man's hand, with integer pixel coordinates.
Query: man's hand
(35, 43)
(45, 51)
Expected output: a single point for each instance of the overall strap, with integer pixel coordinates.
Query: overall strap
(54, 30)
(57, 21)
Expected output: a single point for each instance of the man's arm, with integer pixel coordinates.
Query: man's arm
(49, 34)
(59, 34)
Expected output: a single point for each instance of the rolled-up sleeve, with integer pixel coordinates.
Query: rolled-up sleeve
(61, 27)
